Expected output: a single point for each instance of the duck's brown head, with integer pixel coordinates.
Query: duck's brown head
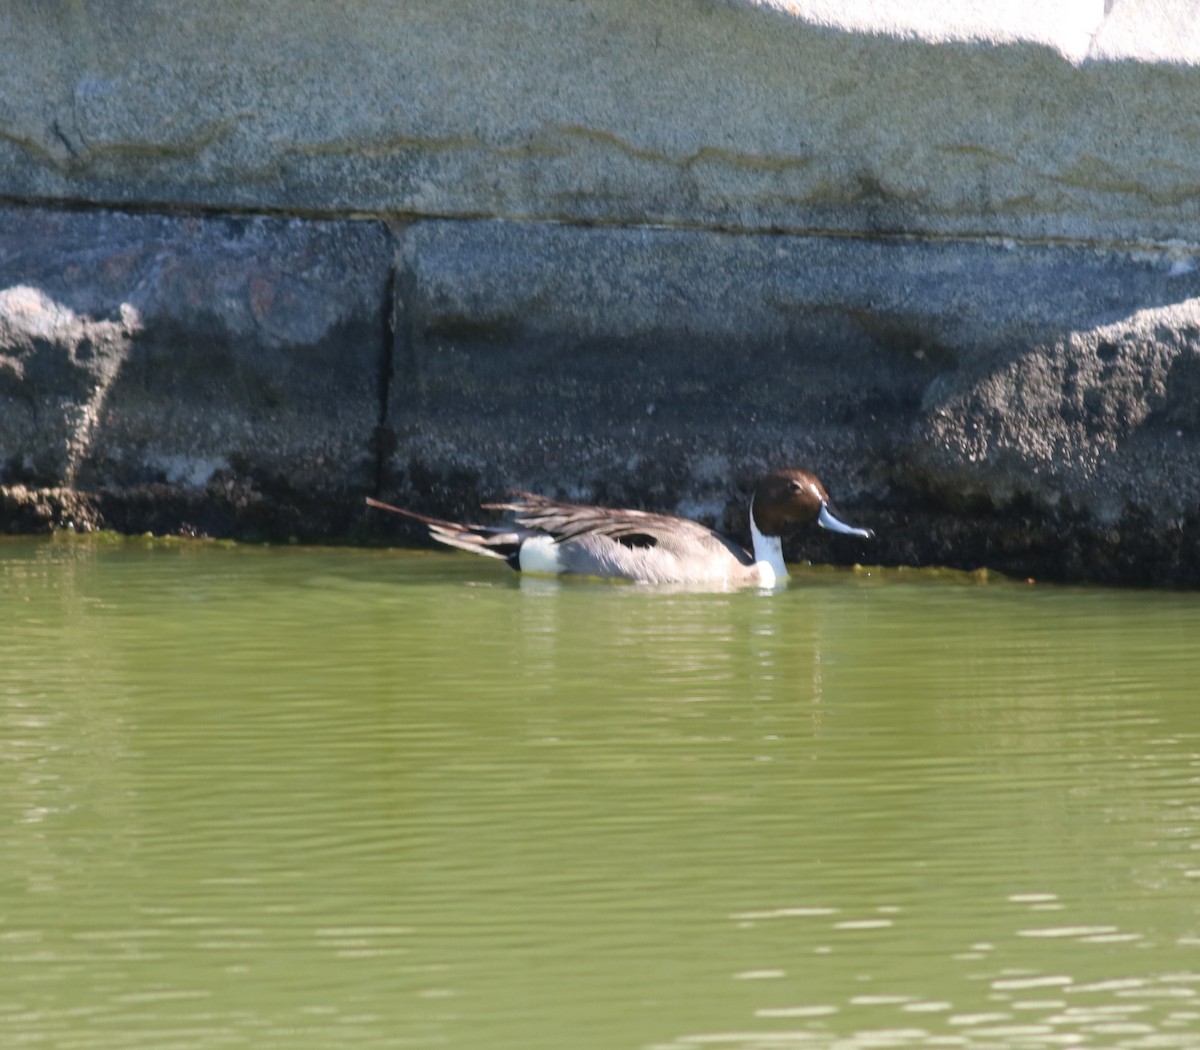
(795, 497)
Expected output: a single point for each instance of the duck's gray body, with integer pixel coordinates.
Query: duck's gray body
(559, 537)
(552, 536)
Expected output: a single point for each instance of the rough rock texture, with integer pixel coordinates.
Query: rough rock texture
(802, 115)
(28, 510)
(55, 369)
(231, 363)
(1101, 418)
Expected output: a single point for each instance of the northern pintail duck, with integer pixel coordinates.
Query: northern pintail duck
(550, 536)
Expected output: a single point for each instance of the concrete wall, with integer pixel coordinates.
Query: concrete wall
(259, 259)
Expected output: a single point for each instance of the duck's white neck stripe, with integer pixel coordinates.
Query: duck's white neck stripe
(768, 553)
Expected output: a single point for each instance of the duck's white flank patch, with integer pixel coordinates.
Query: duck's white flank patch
(540, 554)
(768, 554)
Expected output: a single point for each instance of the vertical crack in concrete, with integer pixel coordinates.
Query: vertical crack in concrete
(382, 440)
(398, 367)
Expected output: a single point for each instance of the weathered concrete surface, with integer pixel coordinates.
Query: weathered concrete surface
(1076, 121)
(223, 372)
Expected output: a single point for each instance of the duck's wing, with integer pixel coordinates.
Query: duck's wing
(640, 537)
(568, 521)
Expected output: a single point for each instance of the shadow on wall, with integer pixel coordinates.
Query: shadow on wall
(255, 361)
(657, 365)
(178, 415)
(218, 360)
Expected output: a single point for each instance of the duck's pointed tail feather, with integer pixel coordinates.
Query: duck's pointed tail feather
(492, 541)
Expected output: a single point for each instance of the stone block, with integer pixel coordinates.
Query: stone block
(921, 118)
(216, 359)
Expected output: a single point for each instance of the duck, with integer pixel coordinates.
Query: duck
(550, 536)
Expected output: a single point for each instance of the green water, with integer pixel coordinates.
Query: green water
(304, 798)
